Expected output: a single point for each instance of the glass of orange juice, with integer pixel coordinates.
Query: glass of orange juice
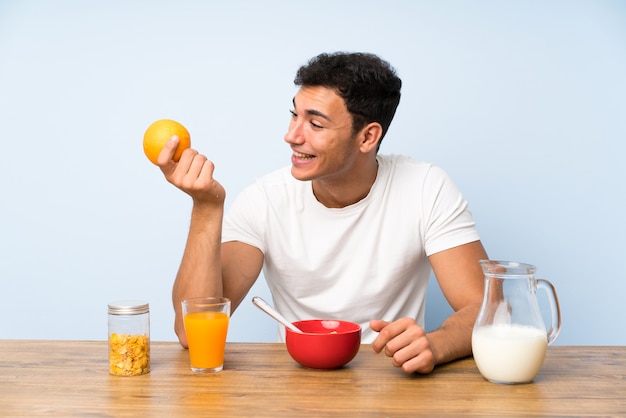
(206, 326)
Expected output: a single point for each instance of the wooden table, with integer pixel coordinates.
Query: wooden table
(70, 378)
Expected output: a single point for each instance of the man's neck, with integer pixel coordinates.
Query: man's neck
(347, 191)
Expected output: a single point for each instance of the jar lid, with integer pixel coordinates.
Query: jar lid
(129, 307)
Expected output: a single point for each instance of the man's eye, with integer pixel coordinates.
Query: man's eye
(316, 125)
(293, 114)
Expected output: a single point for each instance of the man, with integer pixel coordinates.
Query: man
(344, 232)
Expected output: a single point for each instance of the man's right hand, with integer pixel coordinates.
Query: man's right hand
(193, 174)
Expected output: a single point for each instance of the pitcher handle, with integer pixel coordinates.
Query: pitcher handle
(555, 309)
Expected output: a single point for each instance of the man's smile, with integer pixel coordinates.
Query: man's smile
(303, 156)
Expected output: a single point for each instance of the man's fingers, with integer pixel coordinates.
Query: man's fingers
(379, 343)
(166, 155)
(192, 177)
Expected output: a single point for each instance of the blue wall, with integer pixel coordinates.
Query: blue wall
(522, 102)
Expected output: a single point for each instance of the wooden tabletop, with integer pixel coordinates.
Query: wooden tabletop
(70, 378)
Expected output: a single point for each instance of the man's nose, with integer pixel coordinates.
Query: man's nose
(294, 134)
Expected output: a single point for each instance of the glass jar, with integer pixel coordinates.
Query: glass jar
(129, 338)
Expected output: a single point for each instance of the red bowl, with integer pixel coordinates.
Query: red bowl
(324, 343)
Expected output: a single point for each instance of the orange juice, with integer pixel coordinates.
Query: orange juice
(206, 336)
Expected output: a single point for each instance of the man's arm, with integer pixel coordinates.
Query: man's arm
(207, 268)
(202, 273)
(461, 280)
(199, 274)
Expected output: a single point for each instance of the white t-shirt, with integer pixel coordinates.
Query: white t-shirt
(361, 262)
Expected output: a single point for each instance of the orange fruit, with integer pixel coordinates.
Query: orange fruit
(159, 133)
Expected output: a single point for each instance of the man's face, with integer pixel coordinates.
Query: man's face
(320, 135)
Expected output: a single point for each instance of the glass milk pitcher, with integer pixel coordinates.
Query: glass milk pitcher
(509, 340)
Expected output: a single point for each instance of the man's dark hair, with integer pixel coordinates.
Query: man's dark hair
(368, 85)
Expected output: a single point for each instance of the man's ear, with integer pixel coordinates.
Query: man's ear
(370, 136)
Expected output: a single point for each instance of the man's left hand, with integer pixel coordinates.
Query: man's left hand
(406, 343)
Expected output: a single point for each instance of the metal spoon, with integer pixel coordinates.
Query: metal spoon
(265, 307)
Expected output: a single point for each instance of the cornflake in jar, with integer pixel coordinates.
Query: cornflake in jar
(129, 338)
(129, 355)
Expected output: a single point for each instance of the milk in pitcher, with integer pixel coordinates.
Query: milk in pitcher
(509, 353)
